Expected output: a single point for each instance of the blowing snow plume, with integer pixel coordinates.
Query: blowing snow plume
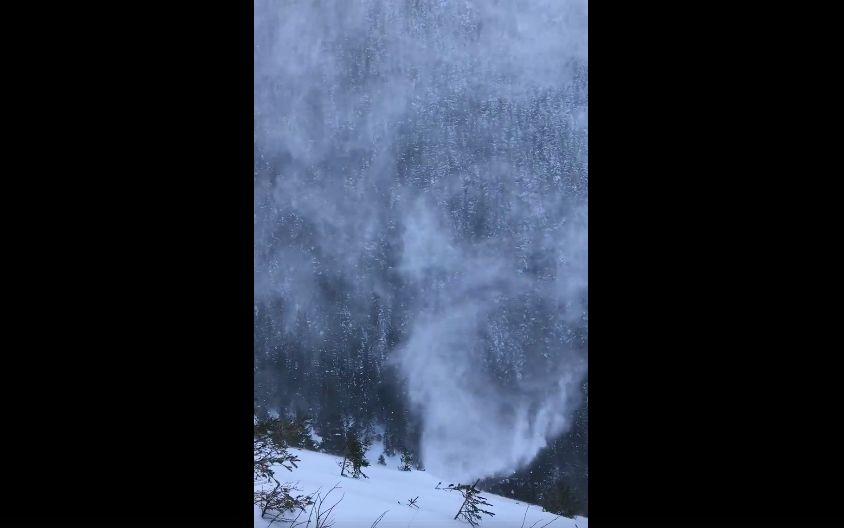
(431, 157)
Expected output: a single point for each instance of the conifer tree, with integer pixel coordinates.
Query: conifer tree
(280, 499)
(406, 460)
(470, 510)
(560, 499)
(293, 432)
(354, 458)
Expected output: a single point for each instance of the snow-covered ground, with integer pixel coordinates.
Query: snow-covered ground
(387, 488)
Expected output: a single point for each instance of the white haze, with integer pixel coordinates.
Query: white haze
(347, 92)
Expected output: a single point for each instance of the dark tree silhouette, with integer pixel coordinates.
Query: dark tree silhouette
(354, 458)
(470, 510)
(406, 460)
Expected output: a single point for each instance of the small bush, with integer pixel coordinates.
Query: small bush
(281, 498)
(470, 510)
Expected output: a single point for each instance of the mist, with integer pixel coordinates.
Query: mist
(431, 156)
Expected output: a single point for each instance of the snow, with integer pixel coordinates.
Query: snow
(387, 488)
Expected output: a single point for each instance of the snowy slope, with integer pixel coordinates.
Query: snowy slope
(365, 499)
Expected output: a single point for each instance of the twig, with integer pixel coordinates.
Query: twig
(323, 518)
(378, 520)
(549, 522)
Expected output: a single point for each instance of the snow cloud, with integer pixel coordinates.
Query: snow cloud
(433, 153)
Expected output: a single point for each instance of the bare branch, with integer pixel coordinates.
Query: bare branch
(378, 520)
(470, 510)
(323, 518)
(549, 522)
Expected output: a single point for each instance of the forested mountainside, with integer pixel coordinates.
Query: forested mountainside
(420, 232)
